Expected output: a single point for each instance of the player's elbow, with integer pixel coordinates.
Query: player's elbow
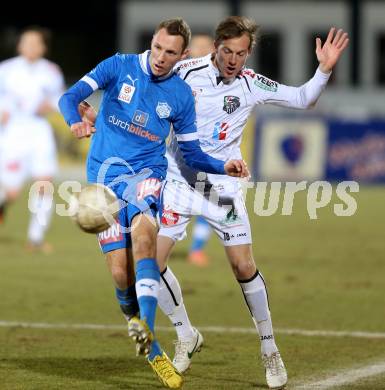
(64, 102)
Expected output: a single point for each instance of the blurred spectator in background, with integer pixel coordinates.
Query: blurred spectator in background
(30, 87)
(201, 45)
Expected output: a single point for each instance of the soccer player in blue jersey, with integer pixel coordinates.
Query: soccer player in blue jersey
(142, 98)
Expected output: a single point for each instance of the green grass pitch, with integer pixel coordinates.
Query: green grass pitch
(325, 275)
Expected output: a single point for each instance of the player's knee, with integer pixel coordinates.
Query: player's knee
(144, 246)
(244, 269)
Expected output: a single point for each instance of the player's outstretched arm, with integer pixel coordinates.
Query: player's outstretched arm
(197, 159)
(69, 107)
(86, 127)
(237, 168)
(330, 52)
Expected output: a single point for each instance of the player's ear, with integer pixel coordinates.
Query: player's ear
(185, 54)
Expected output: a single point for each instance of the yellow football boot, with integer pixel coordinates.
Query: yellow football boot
(139, 331)
(168, 375)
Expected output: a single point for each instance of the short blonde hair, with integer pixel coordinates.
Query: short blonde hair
(236, 26)
(177, 26)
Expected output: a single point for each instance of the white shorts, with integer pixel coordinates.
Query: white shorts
(27, 150)
(229, 218)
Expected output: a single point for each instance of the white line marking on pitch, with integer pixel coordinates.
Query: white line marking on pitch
(344, 377)
(209, 329)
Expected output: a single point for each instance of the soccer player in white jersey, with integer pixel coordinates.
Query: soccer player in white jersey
(30, 87)
(225, 94)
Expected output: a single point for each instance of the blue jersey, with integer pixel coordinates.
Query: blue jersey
(134, 119)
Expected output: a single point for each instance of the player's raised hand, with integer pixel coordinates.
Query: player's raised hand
(87, 112)
(329, 53)
(82, 129)
(237, 168)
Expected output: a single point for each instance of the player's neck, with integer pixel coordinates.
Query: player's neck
(220, 77)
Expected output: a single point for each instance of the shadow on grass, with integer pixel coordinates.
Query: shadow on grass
(117, 373)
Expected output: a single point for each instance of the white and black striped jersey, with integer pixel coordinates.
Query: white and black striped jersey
(223, 109)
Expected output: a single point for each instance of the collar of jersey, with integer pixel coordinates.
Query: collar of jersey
(214, 72)
(144, 60)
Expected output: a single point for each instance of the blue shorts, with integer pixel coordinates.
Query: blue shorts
(141, 197)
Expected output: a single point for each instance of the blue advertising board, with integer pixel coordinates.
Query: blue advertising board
(298, 147)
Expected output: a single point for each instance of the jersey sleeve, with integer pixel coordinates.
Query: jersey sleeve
(266, 91)
(103, 74)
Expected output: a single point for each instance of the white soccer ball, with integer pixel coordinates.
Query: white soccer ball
(95, 208)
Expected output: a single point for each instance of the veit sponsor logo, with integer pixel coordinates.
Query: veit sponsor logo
(268, 337)
(131, 128)
(266, 84)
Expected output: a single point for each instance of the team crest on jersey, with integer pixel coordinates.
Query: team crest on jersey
(126, 93)
(163, 110)
(231, 103)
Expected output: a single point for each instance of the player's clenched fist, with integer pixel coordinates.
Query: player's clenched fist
(82, 129)
(237, 168)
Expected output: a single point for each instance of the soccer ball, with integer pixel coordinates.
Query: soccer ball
(95, 208)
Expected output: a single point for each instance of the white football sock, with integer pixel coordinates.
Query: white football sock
(41, 206)
(254, 291)
(170, 301)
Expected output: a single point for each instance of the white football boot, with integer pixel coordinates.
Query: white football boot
(185, 349)
(276, 375)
